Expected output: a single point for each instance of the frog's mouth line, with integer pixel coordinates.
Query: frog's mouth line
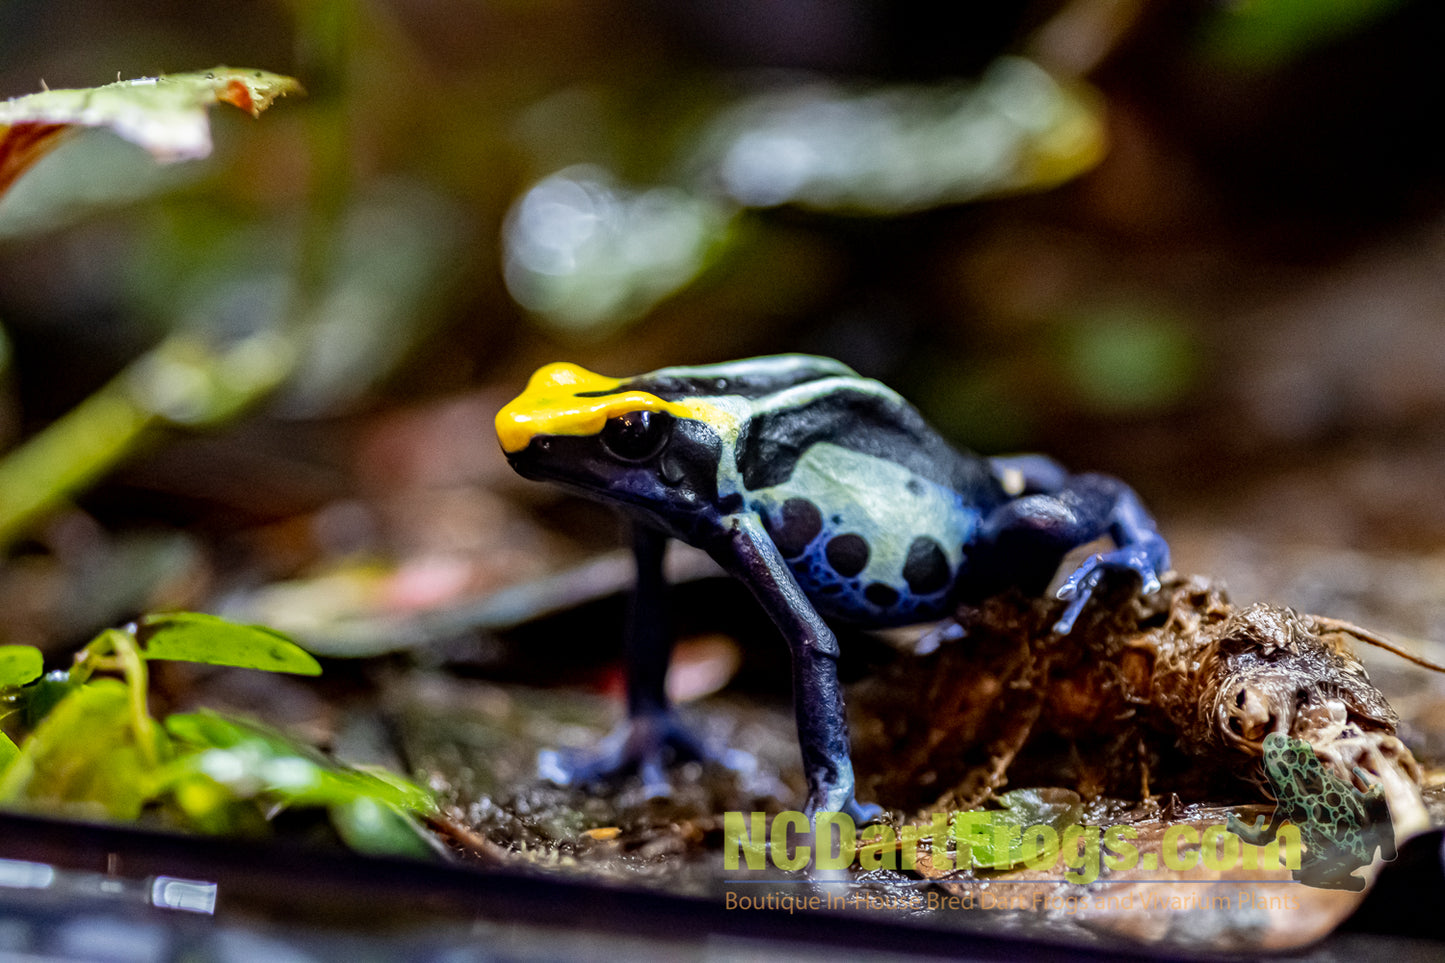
(523, 462)
(546, 459)
(541, 460)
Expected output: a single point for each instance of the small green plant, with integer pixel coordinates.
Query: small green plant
(82, 741)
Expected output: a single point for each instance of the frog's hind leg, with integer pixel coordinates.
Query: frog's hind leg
(1332, 871)
(1051, 512)
(652, 737)
(1379, 826)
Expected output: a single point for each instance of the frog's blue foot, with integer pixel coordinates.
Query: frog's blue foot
(1148, 559)
(861, 813)
(838, 798)
(645, 744)
(929, 642)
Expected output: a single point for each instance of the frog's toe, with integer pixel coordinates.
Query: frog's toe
(645, 745)
(840, 799)
(1148, 560)
(1078, 595)
(863, 813)
(564, 768)
(1256, 832)
(860, 813)
(654, 778)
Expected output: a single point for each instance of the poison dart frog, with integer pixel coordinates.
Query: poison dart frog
(1340, 826)
(830, 497)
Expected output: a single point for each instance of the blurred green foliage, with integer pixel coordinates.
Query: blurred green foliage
(1128, 358)
(1259, 34)
(20, 664)
(81, 741)
(587, 254)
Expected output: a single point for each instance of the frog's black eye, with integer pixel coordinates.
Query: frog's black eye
(637, 435)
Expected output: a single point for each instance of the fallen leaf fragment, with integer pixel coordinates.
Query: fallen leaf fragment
(603, 834)
(166, 115)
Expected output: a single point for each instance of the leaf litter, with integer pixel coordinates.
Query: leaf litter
(1149, 715)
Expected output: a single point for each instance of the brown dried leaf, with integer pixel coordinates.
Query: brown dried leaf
(1172, 692)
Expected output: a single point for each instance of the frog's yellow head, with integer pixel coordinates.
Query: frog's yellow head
(564, 399)
(645, 444)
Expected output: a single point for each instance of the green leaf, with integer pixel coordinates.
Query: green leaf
(8, 751)
(1002, 847)
(36, 700)
(83, 755)
(229, 770)
(201, 804)
(378, 829)
(166, 115)
(253, 760)
(207, 730)
(194, 637)
(20, 664)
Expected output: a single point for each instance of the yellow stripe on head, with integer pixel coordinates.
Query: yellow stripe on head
(552, 405)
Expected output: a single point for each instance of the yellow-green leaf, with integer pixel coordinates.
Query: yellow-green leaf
(1000, 846)
(166, 115)
(83, 755)
(195, 637)
(19, 664)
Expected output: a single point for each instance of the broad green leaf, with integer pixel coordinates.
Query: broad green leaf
(36, 700)
(20, 664)
(83, 755)
(341, 784)
(378, 829)
(8, 751)
(207, 730)
(166, 115)
(195, 637)
(252, 760)
(1001, 846)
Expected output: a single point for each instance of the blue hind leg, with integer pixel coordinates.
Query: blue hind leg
(652, 738)
(1053, 511)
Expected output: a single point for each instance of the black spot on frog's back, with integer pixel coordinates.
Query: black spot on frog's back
(880, 594)
(794, 526)
(847, 554)
(926, 568)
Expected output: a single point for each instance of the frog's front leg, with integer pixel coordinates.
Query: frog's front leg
(748, 553)
(1054, 511)
(1257, 834)
(652, 736)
